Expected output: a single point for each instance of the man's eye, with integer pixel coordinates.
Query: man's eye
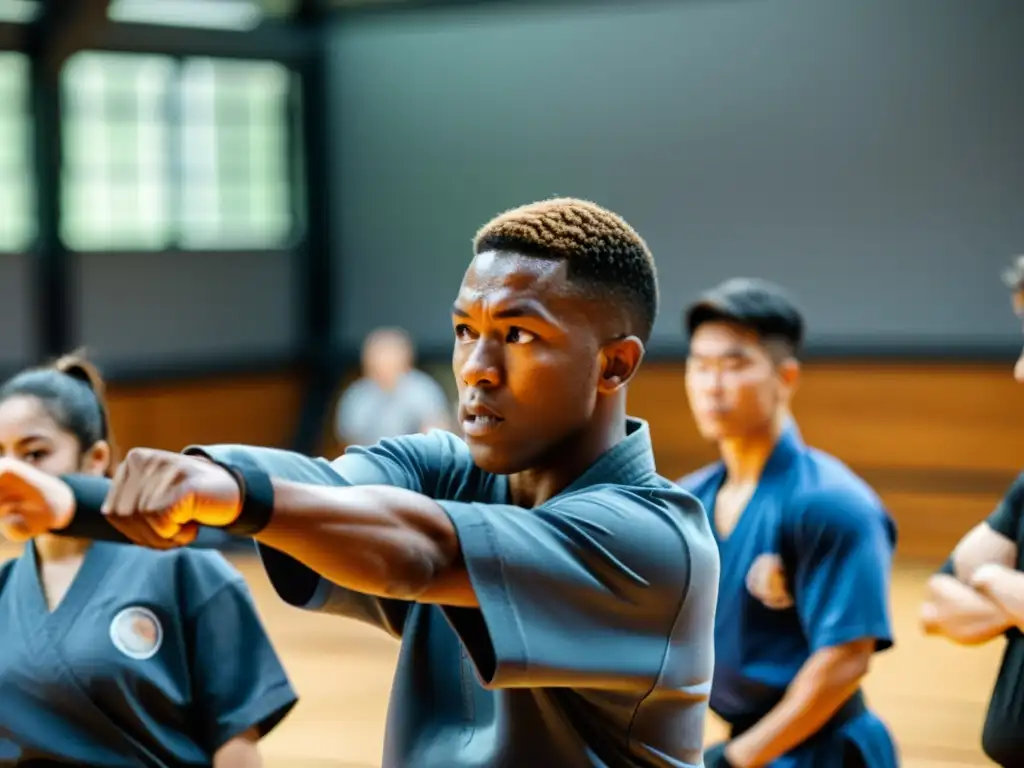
(519, 336)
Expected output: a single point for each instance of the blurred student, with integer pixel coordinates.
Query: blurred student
(978, 595)
(112, 654)
(806, 549)
(392, 398)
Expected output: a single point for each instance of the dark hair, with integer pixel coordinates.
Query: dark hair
(603, 252)
(763, 307)
(1014, 275)
(73, 394)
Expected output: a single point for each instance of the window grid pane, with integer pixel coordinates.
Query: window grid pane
(18, 222)
(158, 155)
(116, 178)
(236, 190)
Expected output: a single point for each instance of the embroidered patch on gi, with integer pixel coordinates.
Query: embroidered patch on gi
(136, 632)
(766, 580)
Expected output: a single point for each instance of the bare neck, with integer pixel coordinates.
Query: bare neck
(745, 457)
(51, 548)
(571, 458)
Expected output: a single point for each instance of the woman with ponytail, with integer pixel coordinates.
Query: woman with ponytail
(116, 655)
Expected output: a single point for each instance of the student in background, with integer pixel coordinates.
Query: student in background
(806, 549)
(978, 596)
(392, 398)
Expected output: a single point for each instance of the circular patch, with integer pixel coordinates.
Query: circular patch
(136, 632)
(766, 580)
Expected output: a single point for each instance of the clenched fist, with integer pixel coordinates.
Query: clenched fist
(32, 502)
(160, 499)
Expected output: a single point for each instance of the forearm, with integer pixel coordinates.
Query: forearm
(382, 541)
(241, 752)
(1005, 588)
(824, 683)
(960, 613)
(90, 491)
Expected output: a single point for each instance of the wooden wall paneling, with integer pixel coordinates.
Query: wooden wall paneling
(259, 410)
(939, 442)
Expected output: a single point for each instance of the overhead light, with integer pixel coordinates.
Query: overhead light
(240, 15)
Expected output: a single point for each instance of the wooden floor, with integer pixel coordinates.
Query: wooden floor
(932, 694)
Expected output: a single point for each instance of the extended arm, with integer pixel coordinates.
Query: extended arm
(388, 542)
(378, 540)
(374, 528)
(431, 463)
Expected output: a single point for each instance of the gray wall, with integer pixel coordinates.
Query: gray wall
(868, 153)
(139, 309)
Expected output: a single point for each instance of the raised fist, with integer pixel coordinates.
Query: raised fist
(32, 502)
(168, 496)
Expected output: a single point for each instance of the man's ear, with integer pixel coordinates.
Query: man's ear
(620, 360)
(789, 374)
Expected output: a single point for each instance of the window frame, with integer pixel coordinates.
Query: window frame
(177, 181)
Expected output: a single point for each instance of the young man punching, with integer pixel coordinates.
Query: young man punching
(555, 597)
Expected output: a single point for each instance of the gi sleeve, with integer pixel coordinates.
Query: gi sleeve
(581, 592)
(844, 555)
(428, 464)
(1006, 518)
(238, 681)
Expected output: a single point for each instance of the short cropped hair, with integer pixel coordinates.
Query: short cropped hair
(1014, 275)
(604, 253)
(763, 307)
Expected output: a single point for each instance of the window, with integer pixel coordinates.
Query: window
(18, 225)
(116, 175)
(235, 156)
(161, 153)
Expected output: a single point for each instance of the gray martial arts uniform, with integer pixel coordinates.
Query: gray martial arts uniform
(151, 659)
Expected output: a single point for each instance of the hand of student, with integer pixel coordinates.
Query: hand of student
(32, 502)
(170, 495)
(984, 575)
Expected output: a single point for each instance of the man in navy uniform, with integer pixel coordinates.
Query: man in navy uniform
(806, 549)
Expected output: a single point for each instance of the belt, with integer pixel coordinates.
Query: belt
(852, 708)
